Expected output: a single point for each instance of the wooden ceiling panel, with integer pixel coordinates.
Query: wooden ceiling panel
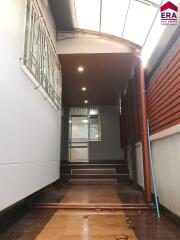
(105, 76)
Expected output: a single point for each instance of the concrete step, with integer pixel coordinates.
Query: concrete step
(93, 181)
(120, 161)
(94, 171)
(120, 168)
(121, 178)
(98, 172)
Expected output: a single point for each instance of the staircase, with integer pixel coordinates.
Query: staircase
(97, 172)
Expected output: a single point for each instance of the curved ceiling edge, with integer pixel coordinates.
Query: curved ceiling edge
(83, 33)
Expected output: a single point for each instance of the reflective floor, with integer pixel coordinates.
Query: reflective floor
(50, 224)
(122, 193)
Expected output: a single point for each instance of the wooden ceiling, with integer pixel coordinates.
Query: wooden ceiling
(105, 76)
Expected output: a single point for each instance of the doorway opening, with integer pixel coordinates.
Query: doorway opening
(84, 126)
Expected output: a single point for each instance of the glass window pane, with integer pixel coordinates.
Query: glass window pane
(113, 16)
(93, 111)
(88, 14)
(84, 127)
(139, 20)
(79, 129)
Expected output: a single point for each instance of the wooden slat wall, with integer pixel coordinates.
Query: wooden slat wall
(124, 123)
(132, 96)
(163, 95)
(136, 107)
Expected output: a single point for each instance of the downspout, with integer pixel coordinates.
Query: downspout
(146, 162)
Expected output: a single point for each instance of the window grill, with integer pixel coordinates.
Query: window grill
(94, 128)
(39, 55)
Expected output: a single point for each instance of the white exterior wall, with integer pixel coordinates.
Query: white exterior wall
(166, 159)
(139, 164)
(89, 45)
(29, 125)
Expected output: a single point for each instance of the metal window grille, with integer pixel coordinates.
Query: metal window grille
(94, 124)
(39, 55)
(94, 128)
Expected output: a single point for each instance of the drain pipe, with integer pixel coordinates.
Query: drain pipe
(152, 172)
(146, 162)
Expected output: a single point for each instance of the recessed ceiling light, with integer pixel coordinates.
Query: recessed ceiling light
(80, 69)
(70, 121)
(84, 88)
(86, 101)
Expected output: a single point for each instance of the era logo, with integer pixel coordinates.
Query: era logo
(168, 15)
(168, 11)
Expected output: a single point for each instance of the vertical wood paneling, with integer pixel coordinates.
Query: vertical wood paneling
(163, 95)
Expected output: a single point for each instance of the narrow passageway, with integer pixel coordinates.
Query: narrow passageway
(60, 224)
(90, 120)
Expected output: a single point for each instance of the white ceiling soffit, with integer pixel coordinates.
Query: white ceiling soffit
(86, 41)
(90, 45)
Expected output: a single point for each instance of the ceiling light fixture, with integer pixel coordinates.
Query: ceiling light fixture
(83, 88)
(80, 69)
(86, 101)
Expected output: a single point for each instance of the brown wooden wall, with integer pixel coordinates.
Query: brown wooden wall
(163, 95)
(130, 122)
